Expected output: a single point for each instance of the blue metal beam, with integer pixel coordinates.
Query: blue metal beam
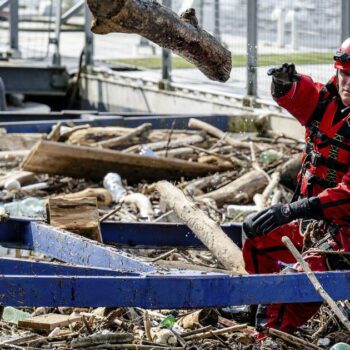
(169, 291)
(16, 233)
(72, 248)
(12, 266)
(44, 122)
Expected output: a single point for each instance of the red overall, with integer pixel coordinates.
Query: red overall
(325, 174)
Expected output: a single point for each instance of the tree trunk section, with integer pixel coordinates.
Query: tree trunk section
(203, 227)
(249, 184)
(165, 28)
(76, 215)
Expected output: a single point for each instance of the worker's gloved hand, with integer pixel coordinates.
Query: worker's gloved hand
(279, 214)
(284, 75)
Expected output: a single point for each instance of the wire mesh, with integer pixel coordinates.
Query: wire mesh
(306, 33)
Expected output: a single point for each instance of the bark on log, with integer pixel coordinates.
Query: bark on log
(87, 162)
(165, 28)
(253, 182)
(212, 130)
(76, 215)
(203, 227)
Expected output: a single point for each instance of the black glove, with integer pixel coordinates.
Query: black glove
(284, 75)
(279, 214)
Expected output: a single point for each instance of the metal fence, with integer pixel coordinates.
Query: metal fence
(259, 33)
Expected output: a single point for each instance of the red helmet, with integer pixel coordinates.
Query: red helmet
(342, 56)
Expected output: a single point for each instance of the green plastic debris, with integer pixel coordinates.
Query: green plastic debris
(13, 315)
(170, 320)
(269, 156)
(340, 346)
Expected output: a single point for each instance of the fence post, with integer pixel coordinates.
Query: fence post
(166, 60)
(252, 52)
(56, 59)
(14, 47)
(345, 23)
(89, 38)
(217, 33)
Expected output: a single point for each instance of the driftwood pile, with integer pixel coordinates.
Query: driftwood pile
(210, 166)
(224, 175)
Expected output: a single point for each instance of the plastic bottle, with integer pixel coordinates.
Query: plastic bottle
(29, 207)
(112, 182)
(340, 346)
(270, 156)
(13, 315)
(147, 151)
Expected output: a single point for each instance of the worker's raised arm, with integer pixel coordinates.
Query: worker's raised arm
(297, 93)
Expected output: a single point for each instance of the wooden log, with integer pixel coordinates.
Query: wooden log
(203, 227)
(212, 130)
(48, 322)
(23, 177)
(14, 142)
(125, 138)
(204, 317)
(289, 171)
(152, 21)
(76, 215)
(102, 196)
(88, 162)
(181, 152)
(249, 184)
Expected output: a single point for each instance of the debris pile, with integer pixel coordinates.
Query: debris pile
(113, 173)
(226, 176)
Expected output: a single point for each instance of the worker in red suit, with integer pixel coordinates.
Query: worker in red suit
(323, 191)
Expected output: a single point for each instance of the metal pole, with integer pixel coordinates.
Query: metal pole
(56, 60)
(345, 23)
(89, 38)
(252, 52)
(166, 55)
(14, 26)
(73, 11)
(217, 33)
(201, 12)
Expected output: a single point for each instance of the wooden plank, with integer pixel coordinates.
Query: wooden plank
(48, 322)
(78, 215)
(88, 162)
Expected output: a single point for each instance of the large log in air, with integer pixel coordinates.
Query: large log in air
(165, 28)
(205, 229)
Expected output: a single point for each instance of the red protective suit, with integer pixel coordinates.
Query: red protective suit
(325, 174)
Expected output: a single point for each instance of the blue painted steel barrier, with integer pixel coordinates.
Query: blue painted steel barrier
(168, 291)
(16, 233)
(43, 123)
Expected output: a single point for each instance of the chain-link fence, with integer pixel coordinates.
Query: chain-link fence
(306, 33)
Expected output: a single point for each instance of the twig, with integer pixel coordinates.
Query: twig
(165, 255)
(287, 337)
(255, 163)
(233, 160)
(147, 325)
(163, 216)
(132, 347)
(197, 331)
(317, 285)
(217, 332)
(169, 138)
(86, 324)
(109, 214)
